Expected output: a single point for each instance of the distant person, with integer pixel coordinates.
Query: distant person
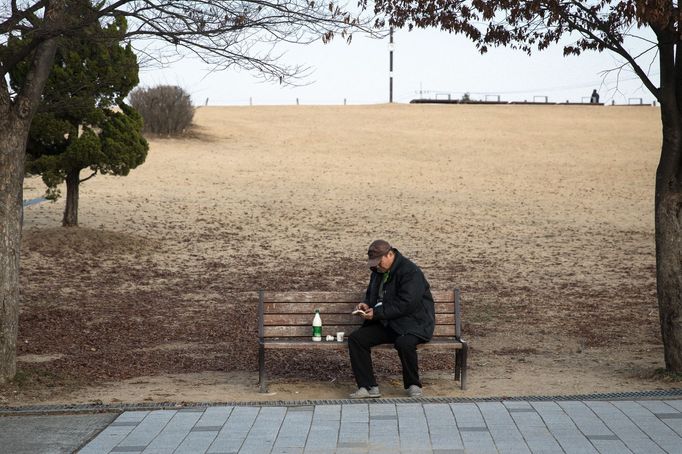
(398, 309)
(594, 99)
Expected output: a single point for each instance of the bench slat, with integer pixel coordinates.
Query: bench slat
(312, 297)
(331, 308)
(334, 319)
(303, 331)
(336, 297)
(445, 344)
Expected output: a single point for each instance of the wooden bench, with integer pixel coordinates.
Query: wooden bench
(285, 322)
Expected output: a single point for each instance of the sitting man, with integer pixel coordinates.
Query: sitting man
(398, 309)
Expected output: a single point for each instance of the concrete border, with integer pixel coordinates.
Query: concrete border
(675, 393)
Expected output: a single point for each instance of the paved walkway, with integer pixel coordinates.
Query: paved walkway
(642, 426)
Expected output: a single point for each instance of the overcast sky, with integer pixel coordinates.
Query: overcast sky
(427, 63)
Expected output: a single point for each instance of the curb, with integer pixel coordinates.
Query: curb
(147, 406)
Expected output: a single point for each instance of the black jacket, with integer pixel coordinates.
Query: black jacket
(407, 305)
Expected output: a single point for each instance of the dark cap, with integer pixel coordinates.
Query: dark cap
(376, 250)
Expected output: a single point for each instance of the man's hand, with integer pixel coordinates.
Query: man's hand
(369, 313)
(362, 306)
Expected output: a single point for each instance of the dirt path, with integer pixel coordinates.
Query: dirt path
(542, 215)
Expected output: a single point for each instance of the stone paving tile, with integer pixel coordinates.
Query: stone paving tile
(114, 433)
(472, 428)
(502, 428)
(564, 430)
(286, 450)
(294, 430)
(324, 430)
(495, 414)
(538, 438)
(666, 413)
(413, 429)
(132, 416)
(353, 434)
(263, 433)
(323, 438)
(517, 405)
(467, 415)
(327, 412)
(624, 428)
(443, 428)
(656, 429)
(205, 430)
(384, 435)
(352, 450)
(594, 429)
(173, 433)
(196, 442)
(354, 429)
(355, 413)
(676, 404)
(585, 419)
(657, 406)
(479, 444)
(127, 449)
(214, 416)
(573, 427)
(143, 434)
(382, 411)
(610, 447)
(674, 423)
(235, 430)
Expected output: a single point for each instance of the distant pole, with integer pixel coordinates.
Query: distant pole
(390, 65)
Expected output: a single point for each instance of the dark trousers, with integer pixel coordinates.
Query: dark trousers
(364, 338)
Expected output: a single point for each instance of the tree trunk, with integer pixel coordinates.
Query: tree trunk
(669, 271)
(71, 209)
(668, 204)
(12, 156)
(668, 221)
(16, 114)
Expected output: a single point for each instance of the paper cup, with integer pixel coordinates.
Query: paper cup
(339, 336)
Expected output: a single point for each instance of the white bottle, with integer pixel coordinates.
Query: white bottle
(317, 326)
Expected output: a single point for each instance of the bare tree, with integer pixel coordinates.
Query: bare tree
(599, 25)
(223, 33)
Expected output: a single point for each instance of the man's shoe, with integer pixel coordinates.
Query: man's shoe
(364, 393)
(414, 391)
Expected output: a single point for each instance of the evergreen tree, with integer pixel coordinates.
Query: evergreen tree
(82, 122)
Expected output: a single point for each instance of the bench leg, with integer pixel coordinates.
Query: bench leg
(463, 366)
(261, 369)
(458, 364)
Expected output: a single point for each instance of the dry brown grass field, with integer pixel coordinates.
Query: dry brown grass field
(542, 215)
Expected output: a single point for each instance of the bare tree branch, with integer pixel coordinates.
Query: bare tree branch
(88, 177)
(223, 34)
(17, 16)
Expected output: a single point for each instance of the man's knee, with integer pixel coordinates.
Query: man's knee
(406, 343)
(354, 338)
